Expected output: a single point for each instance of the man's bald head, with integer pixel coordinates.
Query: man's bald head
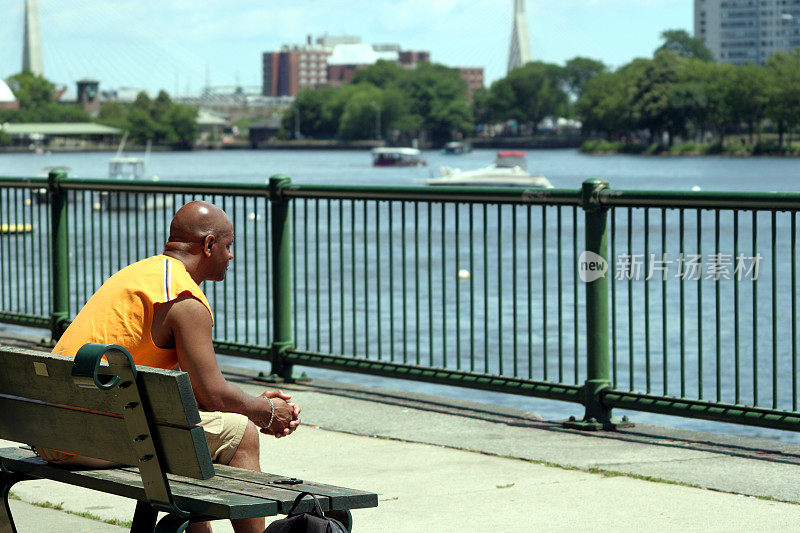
(196, 220)
(201, 236)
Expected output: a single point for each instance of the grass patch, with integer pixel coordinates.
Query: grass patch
(766, 147)
(60, 507)
(505, 486)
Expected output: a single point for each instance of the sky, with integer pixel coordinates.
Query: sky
(181, 45)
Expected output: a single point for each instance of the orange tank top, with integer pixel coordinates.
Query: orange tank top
(121, 311)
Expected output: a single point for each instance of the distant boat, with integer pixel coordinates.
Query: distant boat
(508, 170)
(122, 167)
(456, 148)
(397, 157)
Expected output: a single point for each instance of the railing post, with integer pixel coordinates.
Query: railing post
(593, 270)
(59, 255)
(281, 278)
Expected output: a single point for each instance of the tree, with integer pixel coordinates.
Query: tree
(783, 108)
(438, 95)
(654, 95)
(579, 70)
(113, 114)
(747, 96)
(358, 120)
(684, 45)
(31, 90)
(529, 94)
(140, 125)
(37, 102)
(382, 74)
(311, 106)
(710, 84)
(481, 114)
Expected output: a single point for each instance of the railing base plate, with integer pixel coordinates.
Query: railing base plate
(593, 424)
(276, 379)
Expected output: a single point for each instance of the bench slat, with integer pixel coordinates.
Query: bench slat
(339, 497)
(101, 436)
(128, 484)
(169, 392)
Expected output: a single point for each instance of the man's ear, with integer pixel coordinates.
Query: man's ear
(208, 243)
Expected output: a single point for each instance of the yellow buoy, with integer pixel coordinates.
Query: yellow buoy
(16, 228)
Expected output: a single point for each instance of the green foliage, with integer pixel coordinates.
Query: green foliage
(31, 90)
(360, 112)
(604, 105)
(783, 93)
(578, 71)
(382, 74)
(438, 95)
(37, 102)
(430, 100)
(529, 94)
(684, 45)
(160, 120)
(600, 146)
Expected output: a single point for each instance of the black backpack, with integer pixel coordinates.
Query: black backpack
(311, 522)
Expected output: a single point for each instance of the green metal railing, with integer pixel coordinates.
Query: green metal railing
(483, 288)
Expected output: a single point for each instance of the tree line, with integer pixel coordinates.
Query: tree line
(682, 93)
(159, 120)
(432, 103)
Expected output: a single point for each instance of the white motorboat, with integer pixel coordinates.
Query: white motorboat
(508, 170)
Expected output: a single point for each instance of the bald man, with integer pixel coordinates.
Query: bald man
(156, 309)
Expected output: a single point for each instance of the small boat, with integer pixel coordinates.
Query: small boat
(508, 170)
(122, 167)
(397, 157)
(456, 148)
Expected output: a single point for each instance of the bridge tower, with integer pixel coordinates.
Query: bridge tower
(520, 51)
(32, 45)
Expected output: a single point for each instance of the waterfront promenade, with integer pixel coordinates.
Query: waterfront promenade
(448, 465)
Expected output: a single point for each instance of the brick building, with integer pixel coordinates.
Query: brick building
(293, 68)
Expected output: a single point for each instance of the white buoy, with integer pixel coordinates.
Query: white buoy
(254, 216)
(696, 188)
(96, 206)
(463, 274)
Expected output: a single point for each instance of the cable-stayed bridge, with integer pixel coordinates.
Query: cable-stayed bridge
(166, 45)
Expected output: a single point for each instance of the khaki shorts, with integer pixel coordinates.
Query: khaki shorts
(224, 432)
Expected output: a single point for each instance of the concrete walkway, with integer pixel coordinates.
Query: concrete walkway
(445, 465)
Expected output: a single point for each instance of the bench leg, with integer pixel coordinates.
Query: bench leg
(144, 518)
(172, 524)
(7, 480)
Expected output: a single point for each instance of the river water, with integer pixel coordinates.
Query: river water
(564, 169)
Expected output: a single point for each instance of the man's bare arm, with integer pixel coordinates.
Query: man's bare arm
(190, 323)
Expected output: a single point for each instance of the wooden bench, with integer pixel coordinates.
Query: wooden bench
(139, 416)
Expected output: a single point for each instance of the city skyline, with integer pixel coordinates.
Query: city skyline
(174, 46)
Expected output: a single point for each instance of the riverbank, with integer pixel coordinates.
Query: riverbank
(495, 143)
(735, 149)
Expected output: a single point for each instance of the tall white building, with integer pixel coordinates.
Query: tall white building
(747, 31)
